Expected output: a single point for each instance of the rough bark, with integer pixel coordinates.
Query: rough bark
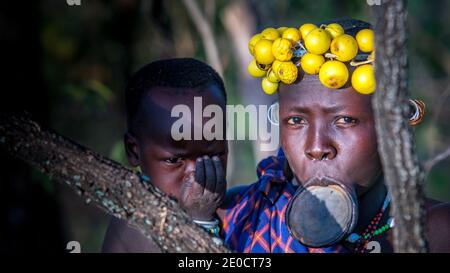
(403, 174)
(116, 189)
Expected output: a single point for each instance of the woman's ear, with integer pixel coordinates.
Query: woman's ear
(131, 149)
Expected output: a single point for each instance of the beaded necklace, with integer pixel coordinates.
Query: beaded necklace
(372, 229)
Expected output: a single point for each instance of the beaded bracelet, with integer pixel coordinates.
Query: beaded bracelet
(211, 227)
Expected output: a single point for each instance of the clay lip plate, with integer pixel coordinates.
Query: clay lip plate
(321, 212)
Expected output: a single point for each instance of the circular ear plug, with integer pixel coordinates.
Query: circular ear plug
(322, 212)
(417, 111)
(273, 114)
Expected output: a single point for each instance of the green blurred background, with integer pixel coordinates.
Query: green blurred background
(86, 53)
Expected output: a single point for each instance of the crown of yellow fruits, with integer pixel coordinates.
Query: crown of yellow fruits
(279, 54)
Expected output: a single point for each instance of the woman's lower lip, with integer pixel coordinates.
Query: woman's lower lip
(321, 176)
(325, 178)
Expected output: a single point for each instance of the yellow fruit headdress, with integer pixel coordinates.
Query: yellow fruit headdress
(326, 50)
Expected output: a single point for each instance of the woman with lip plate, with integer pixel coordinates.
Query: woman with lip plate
(325, 190)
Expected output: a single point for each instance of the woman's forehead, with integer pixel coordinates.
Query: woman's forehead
(309, 92)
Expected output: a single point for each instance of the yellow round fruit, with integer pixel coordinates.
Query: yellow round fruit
(281, 49)
(363, 79)
(270, 34)
(254, 70)
(252, 43)
(271, 76)
(263, 52)
(291, 34)
(344, 47)
(365, 39)
(334, 30)
(287, 72)
(264, 67)
(305, 29)
(311, 63)
(317, 41)
(275, 65)
(281, 30)
(333, 74)
(268, 86)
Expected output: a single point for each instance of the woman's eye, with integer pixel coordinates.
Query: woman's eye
(295, 121)
(346, 121)
(173, 160)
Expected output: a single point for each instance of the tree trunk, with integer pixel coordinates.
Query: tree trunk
(117, 190)
(403, 174)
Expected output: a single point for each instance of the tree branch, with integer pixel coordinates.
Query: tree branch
(114, 188)
(206, 33)
(402, 172)
(430, 163)
(240, 24)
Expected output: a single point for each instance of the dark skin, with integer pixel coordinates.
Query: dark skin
(191, 171)
(332, 133)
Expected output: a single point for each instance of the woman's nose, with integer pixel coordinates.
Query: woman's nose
(321, 153)
(320, 146)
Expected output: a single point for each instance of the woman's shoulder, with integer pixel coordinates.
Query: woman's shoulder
(438, 225)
